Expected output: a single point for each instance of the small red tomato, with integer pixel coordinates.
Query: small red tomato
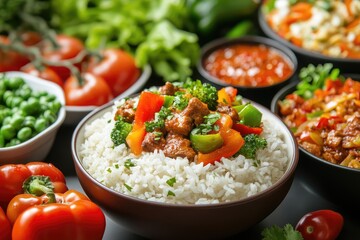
(10, 60)
(30, 38)
(5, 227)
(69, 47)
(320, 225)
(45, 73)
(93, 92)
(117, 68)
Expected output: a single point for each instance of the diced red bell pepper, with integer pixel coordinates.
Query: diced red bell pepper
(245, 130)
(149, 104)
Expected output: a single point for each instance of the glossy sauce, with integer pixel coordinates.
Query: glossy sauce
(249, 65)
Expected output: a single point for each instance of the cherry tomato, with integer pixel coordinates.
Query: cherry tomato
(10, 60)
(117, 68)
(320, 225)
(5, 227)
(69, 47)
(45, 73)
(94, 91)
(30, 38)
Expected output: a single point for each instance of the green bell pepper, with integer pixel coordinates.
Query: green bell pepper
(206, 143)
(208, 15)
(250, 116)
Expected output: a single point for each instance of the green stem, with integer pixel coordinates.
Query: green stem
(38, 186)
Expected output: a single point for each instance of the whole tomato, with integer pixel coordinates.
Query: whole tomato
(93, 92)
(320, 225)
(10, 60)
(117, 68)
(5, 227)
(30, 38)
(44, 73)
(69, 47)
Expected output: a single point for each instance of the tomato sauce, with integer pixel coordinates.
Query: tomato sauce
(249, 65)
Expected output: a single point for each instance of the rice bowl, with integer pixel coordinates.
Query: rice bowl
(152, 176)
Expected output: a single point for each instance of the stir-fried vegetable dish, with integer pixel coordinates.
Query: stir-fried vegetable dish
(325, 119)
(192, 120)
(329, 27)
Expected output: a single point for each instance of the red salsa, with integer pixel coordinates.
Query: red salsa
(249, 65)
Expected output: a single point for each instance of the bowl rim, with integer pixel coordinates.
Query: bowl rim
(140, 82)
(61, 114)
(274, 108)
(209, 47)
(287, 176)
(302, 51)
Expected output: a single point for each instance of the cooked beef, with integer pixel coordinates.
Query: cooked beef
(334, 155)
(153, 141)
(127, 111)
(222, 108)
(333, 139)
(178, 146)
(313, 148)
(179, 124)
(196, 110)
(168, 89)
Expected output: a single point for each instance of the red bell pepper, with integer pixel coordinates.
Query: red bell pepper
(149, 104)
(5, 227)
(233, 141)
(12, 177)
(66, 216)
(245, 130)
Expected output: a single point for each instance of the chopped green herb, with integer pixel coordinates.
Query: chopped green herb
(208, 124)
(128, 164)
(158, 135)
(108, 170)
(171, 181)
(180, 100)
(286, 233)
(128, 187)
(159, 120)
(171, 193)
(116, 166)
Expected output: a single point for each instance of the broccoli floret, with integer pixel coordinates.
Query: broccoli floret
(253, 143)
(120, 131)
(203, 91)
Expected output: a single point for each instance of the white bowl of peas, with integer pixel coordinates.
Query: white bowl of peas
(31, 112)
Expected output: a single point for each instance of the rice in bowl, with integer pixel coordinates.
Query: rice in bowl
(155, 177)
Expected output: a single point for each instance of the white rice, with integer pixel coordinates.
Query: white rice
(228, 180)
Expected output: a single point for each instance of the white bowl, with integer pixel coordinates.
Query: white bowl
(74, 114)
(37, 147)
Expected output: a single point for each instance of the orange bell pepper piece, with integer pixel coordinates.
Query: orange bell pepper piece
(233, 141)
(149, 104)
(227, 95)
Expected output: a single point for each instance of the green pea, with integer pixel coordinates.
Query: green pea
(29, 121)
(13, 142)
(24, 134)
(39, 94)
(8, 131)
(16, 101)
(32, 106)
(7, 94)
(41, 124)
(6, 120)
(4, 113)
(54, 106)
(50, 116)
(15, 83)
(24, 92)
(16, 121)
(9, 100)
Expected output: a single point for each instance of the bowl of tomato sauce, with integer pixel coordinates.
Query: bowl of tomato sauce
(256, 66)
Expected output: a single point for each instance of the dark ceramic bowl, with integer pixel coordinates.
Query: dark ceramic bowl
(260, 94)
(179, 221)
(306, 56)
(336, 183)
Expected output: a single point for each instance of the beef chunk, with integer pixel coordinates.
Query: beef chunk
(222, 108)
(153, 141)
(179, 124)
(168, 89)
(127, 111)
(177, 146)
(333, 139)
(313, 148)
(196, 110)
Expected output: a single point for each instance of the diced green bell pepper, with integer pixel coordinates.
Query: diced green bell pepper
(250, 116)
(206, 143)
